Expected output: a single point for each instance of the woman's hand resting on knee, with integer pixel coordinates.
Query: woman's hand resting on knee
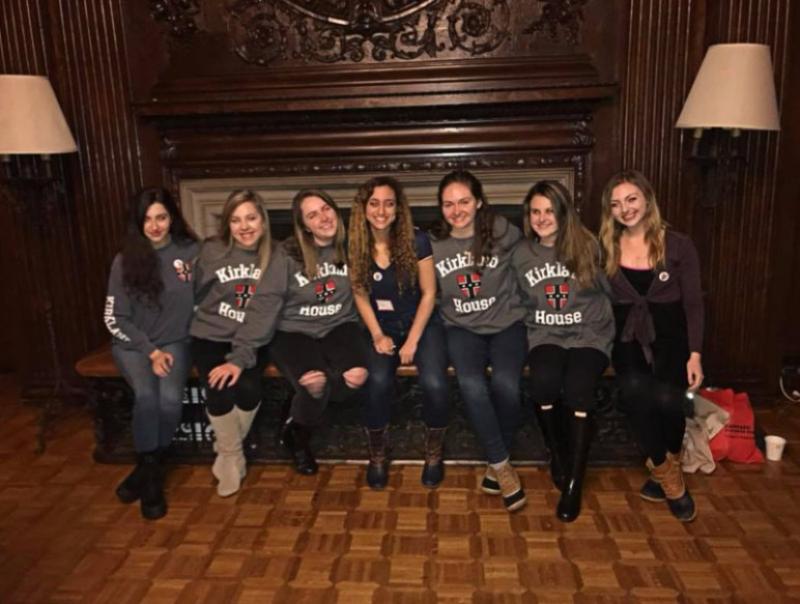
(223, 376)
(161, 362)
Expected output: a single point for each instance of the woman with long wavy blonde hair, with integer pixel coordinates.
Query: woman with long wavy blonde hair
(391, 269)
(654, 274)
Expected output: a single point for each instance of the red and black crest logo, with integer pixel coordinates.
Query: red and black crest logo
(557, 295)
(183, 268)
(324, 290)
(469, 284)
(243, 294)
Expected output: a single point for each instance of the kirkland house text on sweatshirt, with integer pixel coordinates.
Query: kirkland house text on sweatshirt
(138, 325)
(481, 296)
(289, 301)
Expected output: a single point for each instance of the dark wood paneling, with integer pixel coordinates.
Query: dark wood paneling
(667, 41)
(144, 102)
(77, 44)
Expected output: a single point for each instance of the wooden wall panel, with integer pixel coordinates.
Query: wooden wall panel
(106, 57)
(77, 44)
(667, 41)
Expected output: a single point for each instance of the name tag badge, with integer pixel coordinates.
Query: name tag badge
(385, 305)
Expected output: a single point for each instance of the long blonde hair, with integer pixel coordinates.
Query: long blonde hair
(302, 247)
(575, 245)
(235, 199)
(361, 242)
(654, 226)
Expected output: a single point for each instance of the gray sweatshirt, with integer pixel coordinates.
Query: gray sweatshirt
(138, 325)
(226, 280)
(288, 301)
(484, 299)
(559, 311)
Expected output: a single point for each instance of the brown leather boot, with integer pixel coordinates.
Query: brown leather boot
(433, 470)
(378, 469)
(670, 476)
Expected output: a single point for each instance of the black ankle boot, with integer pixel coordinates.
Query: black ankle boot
(296, 438)
(550, 425)
(580, 435)
(152, 502)
(378, 468)
(130, 489)
(433, 470)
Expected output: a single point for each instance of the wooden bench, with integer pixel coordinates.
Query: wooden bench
(341, 439)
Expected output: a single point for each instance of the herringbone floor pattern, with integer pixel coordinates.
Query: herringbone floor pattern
(329, 539)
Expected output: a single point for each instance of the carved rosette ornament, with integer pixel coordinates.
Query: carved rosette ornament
(178, 14)
(558, 16)
(479, 27)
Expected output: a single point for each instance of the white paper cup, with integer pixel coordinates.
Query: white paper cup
(775, 445)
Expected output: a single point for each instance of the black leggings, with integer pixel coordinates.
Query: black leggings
(653, 397)
(296, 354)
(245, 394)
(566, 374)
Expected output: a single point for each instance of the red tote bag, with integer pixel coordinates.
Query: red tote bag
(736, 441)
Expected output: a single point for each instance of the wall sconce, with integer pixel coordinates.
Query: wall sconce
(32, 127)
(733, 91)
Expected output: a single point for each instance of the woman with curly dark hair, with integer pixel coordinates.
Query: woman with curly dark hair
(394, 286)
(482, 312)
(148, 310)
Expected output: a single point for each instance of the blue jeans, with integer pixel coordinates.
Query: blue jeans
(158, 402)
(493, 405)
(431, 362)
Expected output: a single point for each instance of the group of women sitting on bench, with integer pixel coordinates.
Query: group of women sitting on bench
(340, 309)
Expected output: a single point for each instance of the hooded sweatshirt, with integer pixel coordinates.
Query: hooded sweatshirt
(287, 300)
(559, 310)
(226, 279)
(137, 324)
(481, 296)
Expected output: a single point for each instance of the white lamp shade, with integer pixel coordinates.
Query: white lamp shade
(31, 121)
(734, 88)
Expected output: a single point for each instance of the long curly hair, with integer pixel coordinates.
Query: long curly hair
(301, 245)
(362, 241)
(484, 240)
(236, 199)
(575, 245)
(610, 230)
(141, 272)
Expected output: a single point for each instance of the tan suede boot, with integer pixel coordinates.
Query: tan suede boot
(226, 467)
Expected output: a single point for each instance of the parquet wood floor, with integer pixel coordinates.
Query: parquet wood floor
(329, 539)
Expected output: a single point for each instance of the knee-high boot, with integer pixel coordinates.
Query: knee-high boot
(550, 424)
(378, 469)
(580, 436)
(245, 419)
(226, 468)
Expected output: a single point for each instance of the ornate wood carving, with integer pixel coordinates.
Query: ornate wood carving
(350, 30)
(321, 31)
(180, 15)
(557, 16)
